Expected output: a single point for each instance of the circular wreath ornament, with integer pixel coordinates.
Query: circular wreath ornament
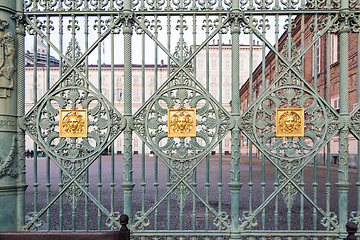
(260, 121)
(183, 110)
(73, 110)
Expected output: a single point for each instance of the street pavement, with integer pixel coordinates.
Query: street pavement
(194, 210)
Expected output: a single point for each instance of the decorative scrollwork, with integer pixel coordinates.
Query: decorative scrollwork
(206, 4)
(73, 5)
(6, 165)
(222, 220)
(355, 217)
(330, 221)
(290, 56)
(74, 193)
(36, 221)
(113, 221)
(247, 221)
(45, 119)
(264, 4)
(289, 192)
(141, 220)
(181, 192)
(151, 122)
(290, 4)
(140, 28)
(318, 4)
(355, 23)
(354, 123)
(261, 120)
(73, 53)
(48, 5)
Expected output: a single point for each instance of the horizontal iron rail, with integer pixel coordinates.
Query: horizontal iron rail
(186, 12)
(284, 233)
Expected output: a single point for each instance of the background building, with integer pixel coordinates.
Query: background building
(320, 65)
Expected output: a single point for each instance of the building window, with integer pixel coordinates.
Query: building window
(245, 140)
(105, 92)
(136, 94)
(214, 92)
(200, 63)
(119, 142)
(136, 143)
(227, 94)
(227, 142)
(228, 63)
(336, 103)
(317, 57)
(119, 94)
(334, 46)
(31, 94)
(214, 64)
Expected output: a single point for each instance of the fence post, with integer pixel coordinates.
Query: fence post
(12, 169)
(124, 233)
(351, 228)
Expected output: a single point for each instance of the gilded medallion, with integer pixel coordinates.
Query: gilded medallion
(182, 122)
(290, 122)
(73, 123)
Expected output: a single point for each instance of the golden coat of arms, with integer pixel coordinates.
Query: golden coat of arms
(73, 123)
(290, 122)
(181, 122)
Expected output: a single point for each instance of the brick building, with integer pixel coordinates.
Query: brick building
(319, 65)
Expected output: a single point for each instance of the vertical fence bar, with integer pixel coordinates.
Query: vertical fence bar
(343, 184)
(20, 65)
(61, 183)
(207, 76)
(127, 184)
(48, 177)
(143, 172)
(87, 185)
(235, 132)
(251, 184)
(168, 184)
(220, 183)
(302, 183)
(263, 68)
(112, 184)
(36, 184)
(195, 170)
(156, 163)
(73, 48)
(316, 63)
(276, 182)
(328, 83)
(99, 63)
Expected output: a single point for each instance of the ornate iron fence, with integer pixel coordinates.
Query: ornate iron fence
(183, 191)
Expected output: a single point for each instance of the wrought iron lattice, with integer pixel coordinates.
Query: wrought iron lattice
(183, 30)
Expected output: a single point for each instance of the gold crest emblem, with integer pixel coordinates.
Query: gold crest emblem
(73, 123)
(290, 122)
(182, 122)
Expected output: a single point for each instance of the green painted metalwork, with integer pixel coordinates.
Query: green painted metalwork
(172, 27)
